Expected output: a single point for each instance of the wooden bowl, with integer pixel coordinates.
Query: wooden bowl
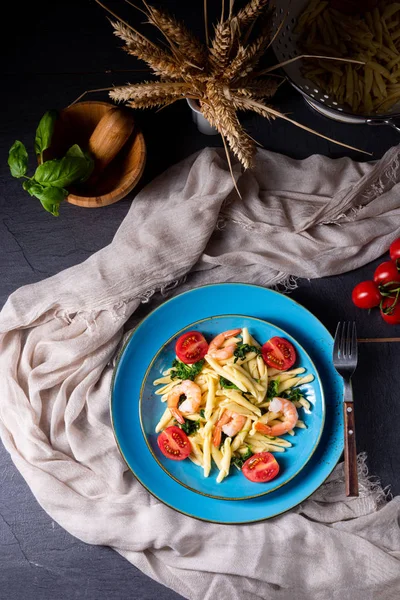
(75, 125)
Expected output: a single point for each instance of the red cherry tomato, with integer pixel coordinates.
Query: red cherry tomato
(260, 467)
(386, 272)
(393, 316)
(279, 353)
(366, 294)
(174, 443)
(191, 347)
(395, 250)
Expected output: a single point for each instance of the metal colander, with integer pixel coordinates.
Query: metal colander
(286, 47)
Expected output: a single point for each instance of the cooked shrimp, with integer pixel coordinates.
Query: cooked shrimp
(215, 348)
(190, 405)
(230, 423)
(280, 405)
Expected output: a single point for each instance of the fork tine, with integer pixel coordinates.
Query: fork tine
(354, 348)
(336, 344)
(343, 341)
(349, 339)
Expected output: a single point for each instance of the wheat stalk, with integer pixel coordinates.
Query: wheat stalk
(221, 75)
(248, 56)
(251, 11)
(223, 116)
(160, 61)
(150, 90)
(221, 47)
(259, 88)
(269, 112)
(176, 31)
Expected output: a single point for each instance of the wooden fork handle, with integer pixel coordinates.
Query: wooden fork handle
(350, 450)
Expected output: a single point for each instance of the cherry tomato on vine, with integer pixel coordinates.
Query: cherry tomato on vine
(174, 443)
(393, 315)
(395, 250)
(386, 272)
(191, 347)
(366, 294)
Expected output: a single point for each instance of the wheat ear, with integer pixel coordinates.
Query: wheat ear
(150, 90)
(267, 111)
(250, 12)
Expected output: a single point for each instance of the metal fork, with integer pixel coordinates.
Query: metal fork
(345, 362)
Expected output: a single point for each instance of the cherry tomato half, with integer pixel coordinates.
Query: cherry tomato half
(174, 443)
(191, 347)
(279, 353)
(392, 317)
(366, 294)
(260, 467)
(386, 272)
(395, 250)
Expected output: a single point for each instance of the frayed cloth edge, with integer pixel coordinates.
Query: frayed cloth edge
(118, 310)
(287, 284)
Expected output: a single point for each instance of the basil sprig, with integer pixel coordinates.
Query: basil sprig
(44, 133)
(52, 178)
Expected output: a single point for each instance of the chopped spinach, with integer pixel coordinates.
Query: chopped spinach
(182, 371)
(293, 394)
(272, 389)
(190, 427)
(202, 414)
(243, 349)
(240, 460)
(228, 385)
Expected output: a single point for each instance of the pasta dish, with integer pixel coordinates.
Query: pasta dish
(230, 402)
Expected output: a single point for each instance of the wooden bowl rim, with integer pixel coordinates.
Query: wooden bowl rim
(124, 189)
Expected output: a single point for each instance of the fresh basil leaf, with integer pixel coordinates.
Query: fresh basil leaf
(77, 151)
(50, 197)
(62, 172)
(28, 185)
(44, 131)
(18, 159)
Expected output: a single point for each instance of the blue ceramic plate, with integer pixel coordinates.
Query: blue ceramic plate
(235, 486)
(161, 325)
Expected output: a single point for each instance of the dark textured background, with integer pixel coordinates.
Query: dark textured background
(57, 51)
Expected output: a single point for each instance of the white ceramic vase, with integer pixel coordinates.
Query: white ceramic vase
(202, 124)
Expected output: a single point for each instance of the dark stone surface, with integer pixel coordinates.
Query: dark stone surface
(57, 51)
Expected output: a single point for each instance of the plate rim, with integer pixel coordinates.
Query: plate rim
(118, 357)
(317, 377)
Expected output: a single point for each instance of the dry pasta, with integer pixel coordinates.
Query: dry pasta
(371, 37)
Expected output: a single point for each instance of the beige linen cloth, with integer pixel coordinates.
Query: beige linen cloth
(58, 338)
